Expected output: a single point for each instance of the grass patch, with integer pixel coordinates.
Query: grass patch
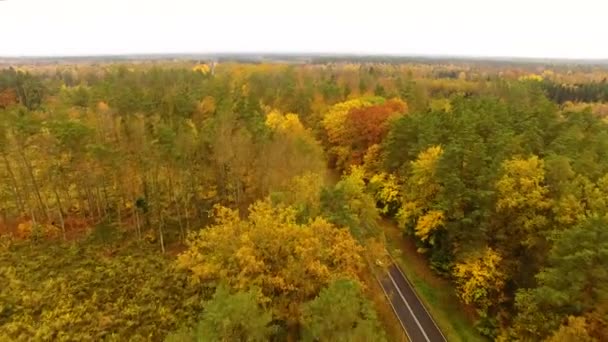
(453, 318)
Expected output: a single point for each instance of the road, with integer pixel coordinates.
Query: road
(415, 319)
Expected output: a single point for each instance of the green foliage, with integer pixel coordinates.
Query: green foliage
(491, 188)
(229, 317)
(341, 313)
(349, 204)
(581, 253)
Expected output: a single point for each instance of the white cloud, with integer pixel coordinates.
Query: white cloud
(534, 28)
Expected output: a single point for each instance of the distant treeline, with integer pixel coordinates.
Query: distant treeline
(580, 92)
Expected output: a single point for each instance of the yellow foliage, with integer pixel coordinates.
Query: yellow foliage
(428, 223)
(522, 192)
(29, 230)
(408, 212)
(102, 107)
(372, 160)
(575, 330)
(531, 77)
(206, 192)
(443, 105)
(425, 165)
(304, 191)
(293, 151)
(351, 67)
(480, 280)
(288, 123)
(548, 73)
(288, 262)
(598, 197)
(422, 188)
(207, 105)
(387, 190)
(202, 68)
(568, 210)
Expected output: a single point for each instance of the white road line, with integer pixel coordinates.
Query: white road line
(394, 310)
(415, 294)
(408, 307)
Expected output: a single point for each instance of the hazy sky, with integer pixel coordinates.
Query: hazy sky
(530, 28)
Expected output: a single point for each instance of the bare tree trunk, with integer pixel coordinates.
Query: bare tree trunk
(97, 202)
(15, 187)
(160, 234)
(146, 197)
(82, 203)
(105, 199)
(28, 166)
(182, 235)
(185, 202)
(118, 212)
(187, 216)
(159, 208)
(66, 191)
(60, 208)
(100, 202)
(137, 224)
(33, 216)
(87, 191)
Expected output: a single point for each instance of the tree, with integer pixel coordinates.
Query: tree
(575, 330)
(303, 193)
(287, 263)
(341, 313)
(369, 125)
(422, 188)
(480, 280)
(580, 252)
(387, 192)
(30, 90)
(354, 126)
(574, 283)
(229, 317)
(522, 196)
(338, 131)
(349, 204)
(291, 152)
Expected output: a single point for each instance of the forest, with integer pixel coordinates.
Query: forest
(203, 201)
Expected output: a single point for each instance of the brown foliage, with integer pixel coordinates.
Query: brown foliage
(369, 125)
(7, 97)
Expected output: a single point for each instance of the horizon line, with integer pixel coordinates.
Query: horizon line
(307, 54)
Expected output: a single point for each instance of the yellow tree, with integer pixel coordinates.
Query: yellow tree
(288, 263)
(580, 199)
(386, 190)
(576, 329)
(480, 279)
(422, 188)
(303, 193)
(292, 151)
(337, 129)
(523, 197)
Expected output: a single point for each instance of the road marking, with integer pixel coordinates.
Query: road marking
(408, 307)
(394, 310)
(416, 294)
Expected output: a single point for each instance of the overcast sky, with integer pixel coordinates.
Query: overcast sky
(526, 28)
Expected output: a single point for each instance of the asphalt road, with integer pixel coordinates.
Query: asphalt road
(415, 319)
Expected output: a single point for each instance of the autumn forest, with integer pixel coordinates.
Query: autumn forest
(194, 200)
